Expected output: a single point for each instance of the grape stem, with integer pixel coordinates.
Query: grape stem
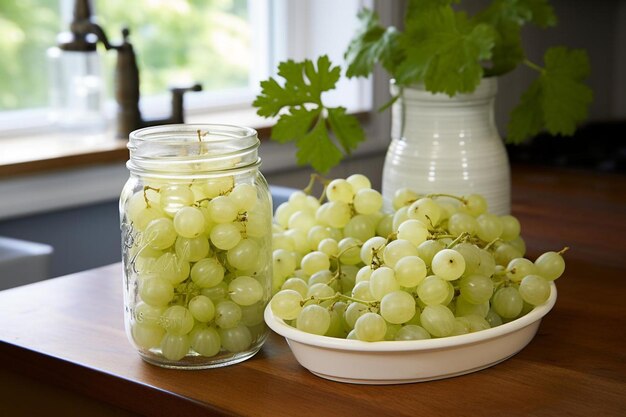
(488, 245)
(145, 193)
(460, 238)
(456, 197)
(337, 296)
(562, 251)
(309, 188)
(201, 134)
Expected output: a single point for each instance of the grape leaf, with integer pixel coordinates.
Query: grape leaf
(507, 18)
(557, 100)
(303, 117)
(317, 149)
(444, 51)
(371, 44)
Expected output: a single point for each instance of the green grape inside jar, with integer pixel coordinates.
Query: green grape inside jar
(196, 219)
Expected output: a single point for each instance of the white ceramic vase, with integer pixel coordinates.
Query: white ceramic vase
(443, 144)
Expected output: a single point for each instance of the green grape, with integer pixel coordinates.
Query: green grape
(361, 291)
(518, 268)
(315, 261)
(245, 290)
(370, 327)
(252, 315)
(206, 341)
(448, 209)
(320, 290)
(493, 318)
(510, 227)
(428, 249)
(360, 227)
(207, 273)
(477, 289)
(519, 244)
(410, 271)
(476, 323)
(283, 213)
(347, 278)
(171, 268)
(174, 197)
(505, 253)
(392, 330)
(222, 209)
(534, 289)
(235, 339)
(352, 335)
(399, 217)
(216, 186)
(227, 314)
(350, 250)
(148, 314)
(450, 296)
(335, 329)
(160, 234)
(359, 182)
(414, 231)
(296, 284)
(382, 282)
(334, 214)
(311, 203)
(208, 222)
(476, 204)
(471, 256)
(175, 347)
(192, 249)
(412, 332)
(426, 210)
(244, 255)
(216, 293)
(300, 242)
(286, 304)
(489, 227)
(374, 244)
(465, 308)
(321, 277)
(462, 223)
(364, 274)
(385, 225)
(297, 200)
(301, 220)
(314, 319)
(353, 312)
(461, 326)
(225, 236)
(329, 246)
(415, 320)
(550, 265)
(487, 265)
(340, 190)
(507, 302)
(177, 320)
(147, 336)
(244, 196)
(433, 290)
(189, 222)
(397, 307)
(438, 320)
(156, 291)
(448, 264)
(367, 201)
(283, 262)
(316, 234)
(256, 224)
(202, 308)
(404, 197)
(396, 250)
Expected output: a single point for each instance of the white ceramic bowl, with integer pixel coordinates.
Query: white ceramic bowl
(409, 361)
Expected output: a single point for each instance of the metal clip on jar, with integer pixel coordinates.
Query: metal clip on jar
(196, 245)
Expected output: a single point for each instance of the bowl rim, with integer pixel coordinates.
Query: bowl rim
(291, 333)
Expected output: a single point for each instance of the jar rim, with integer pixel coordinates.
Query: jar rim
(225, 131)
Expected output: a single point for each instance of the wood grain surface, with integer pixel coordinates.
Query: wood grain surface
(68, 333)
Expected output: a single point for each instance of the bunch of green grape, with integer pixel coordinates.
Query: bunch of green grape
(437, 266)
(198, 262)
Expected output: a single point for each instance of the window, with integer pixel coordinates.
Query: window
(227, 45)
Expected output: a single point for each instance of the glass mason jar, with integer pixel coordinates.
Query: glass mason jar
(196, 245)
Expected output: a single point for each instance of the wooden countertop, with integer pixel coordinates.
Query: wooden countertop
(68, 333)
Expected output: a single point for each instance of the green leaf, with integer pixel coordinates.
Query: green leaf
(557, 101)
(346, 128)
(303, 117)
(371, 44)
(445, 50)
(507, 18)
(317, 149)
(294, 125)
